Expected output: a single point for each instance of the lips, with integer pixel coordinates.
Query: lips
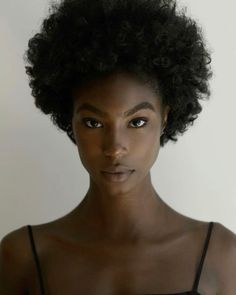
(118, 169)
(117, 174)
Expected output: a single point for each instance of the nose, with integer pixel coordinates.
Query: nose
(115, 145)
(115, 152)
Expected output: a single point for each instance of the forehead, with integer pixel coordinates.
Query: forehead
(118, 91)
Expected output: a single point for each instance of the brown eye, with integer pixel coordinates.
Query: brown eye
(138, 124)
(93, 124)
(90, 123)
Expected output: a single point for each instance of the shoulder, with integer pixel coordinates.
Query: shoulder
(226, 235)
(221, 255)
(224, 240)
(14, 246)
(14, 261)
(225, 258)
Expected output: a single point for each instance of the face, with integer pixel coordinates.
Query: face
(117, 123)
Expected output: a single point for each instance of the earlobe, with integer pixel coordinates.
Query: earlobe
(166, 112)
(163, 128)
(165, 118)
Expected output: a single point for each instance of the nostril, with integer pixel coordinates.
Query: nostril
(115, 152)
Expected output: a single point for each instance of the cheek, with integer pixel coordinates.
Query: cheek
(148, 149)
(89, 149)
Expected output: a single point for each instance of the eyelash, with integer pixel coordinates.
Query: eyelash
(85, 120)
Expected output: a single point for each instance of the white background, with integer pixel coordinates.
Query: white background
(41, 176)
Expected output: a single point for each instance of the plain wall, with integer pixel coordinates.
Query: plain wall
(41, 176)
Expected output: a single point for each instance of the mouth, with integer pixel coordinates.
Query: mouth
(118, 176)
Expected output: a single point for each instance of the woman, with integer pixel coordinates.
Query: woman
(122, 78)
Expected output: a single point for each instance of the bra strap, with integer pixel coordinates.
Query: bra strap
(199, 270)
(36, 259)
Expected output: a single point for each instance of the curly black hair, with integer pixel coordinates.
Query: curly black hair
(81, 40)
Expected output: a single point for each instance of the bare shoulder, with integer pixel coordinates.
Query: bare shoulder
(222, 232)
(225, 257)
(224, 242)
(14, 246)
(221, 256)
(14, 262)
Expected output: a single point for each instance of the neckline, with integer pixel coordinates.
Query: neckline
(192, 292)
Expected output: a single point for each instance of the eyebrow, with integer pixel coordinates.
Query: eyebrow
(140, 106)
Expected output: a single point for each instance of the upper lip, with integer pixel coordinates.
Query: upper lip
(119, 169)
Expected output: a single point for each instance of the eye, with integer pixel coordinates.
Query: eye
(92, 123)
(145, 120)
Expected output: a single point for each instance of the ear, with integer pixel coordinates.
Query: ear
(70, 133)
(165, 116)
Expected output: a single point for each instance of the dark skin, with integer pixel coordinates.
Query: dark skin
(122, 238)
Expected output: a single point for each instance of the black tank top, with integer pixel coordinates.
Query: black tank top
(194, 290)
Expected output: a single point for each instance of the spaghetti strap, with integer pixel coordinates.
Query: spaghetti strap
(196, 281)
(36, 259)
(199, 270)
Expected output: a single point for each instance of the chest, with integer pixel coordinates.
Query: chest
(90, 269)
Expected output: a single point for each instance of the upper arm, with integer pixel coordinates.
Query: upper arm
(13, 263)
(227, 259)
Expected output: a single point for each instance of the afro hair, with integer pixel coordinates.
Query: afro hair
(81, 40)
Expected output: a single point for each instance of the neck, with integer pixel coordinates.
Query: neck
(137, 215)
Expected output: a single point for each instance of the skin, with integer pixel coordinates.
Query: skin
(116, 207)
(122, 238)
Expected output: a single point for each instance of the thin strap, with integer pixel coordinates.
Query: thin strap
(36, 259)
(199, 270)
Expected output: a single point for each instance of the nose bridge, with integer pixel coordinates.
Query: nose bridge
(115, 142)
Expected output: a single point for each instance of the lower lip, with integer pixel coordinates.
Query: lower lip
(117, 177)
